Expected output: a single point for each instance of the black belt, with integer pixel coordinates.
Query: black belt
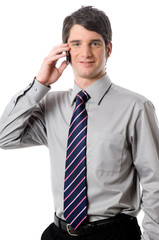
(93, 226)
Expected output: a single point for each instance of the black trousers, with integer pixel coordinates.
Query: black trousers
(127, 231)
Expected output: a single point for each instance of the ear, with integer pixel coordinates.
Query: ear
(108, 49)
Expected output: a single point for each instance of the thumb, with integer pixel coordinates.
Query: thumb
(62, 67)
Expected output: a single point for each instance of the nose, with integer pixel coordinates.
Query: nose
(86, 51)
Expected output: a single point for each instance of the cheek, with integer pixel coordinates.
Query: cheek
(102, 58)
(73, 56)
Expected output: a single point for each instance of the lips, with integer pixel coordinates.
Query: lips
(90, 61)
(87, 63)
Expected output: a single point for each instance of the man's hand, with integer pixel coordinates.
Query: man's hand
(48, 72)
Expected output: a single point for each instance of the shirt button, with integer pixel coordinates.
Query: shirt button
(35, 89)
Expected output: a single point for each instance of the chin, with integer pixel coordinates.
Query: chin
(87, 74)
(91, 75)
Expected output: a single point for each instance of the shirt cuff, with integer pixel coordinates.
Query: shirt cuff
(37, 90)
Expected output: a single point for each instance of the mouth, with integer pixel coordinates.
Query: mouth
(87, 63)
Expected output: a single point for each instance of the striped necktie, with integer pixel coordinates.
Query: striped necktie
(75, 202)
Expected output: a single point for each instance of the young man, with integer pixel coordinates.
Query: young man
(103, 139)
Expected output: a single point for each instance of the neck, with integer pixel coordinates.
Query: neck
(85, 83)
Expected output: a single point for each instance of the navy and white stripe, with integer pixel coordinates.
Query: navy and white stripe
(75, 200)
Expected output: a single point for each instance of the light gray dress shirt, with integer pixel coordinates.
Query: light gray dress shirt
(122, 146)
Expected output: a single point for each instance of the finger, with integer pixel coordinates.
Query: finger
(60, 48)
(59, 51)
(62, 45)
(62, 67)
(52, 59)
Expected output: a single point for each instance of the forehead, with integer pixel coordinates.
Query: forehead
(78, 32)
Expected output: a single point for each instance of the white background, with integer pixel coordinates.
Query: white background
(29, 29)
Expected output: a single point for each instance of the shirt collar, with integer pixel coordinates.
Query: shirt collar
(96, 91)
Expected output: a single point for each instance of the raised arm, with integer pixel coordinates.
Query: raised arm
(23, 121)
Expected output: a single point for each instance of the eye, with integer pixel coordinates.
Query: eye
(76, 44)
(95, 44)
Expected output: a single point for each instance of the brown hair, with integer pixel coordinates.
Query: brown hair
(92, 19)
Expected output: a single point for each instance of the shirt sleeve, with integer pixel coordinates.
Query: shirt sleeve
(23, 121)
(145, 151)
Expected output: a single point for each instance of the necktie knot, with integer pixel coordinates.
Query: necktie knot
(82, 96)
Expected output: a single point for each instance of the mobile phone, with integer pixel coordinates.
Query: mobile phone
(68, 58)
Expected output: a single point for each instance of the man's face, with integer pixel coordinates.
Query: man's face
(88, 53)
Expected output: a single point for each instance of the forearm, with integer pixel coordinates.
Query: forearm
(150, 228)
(146, 160)
(15, 120)
(14, 123)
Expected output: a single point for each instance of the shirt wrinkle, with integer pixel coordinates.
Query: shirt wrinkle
(119, 145)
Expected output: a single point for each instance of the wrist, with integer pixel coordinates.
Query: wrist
(45, 83)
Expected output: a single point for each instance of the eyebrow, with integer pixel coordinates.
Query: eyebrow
(96, 40)
(92, 40)
(75, 41)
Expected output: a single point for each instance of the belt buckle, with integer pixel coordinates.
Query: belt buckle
(68, 230)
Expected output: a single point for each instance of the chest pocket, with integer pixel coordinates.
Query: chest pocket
(105, 151)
